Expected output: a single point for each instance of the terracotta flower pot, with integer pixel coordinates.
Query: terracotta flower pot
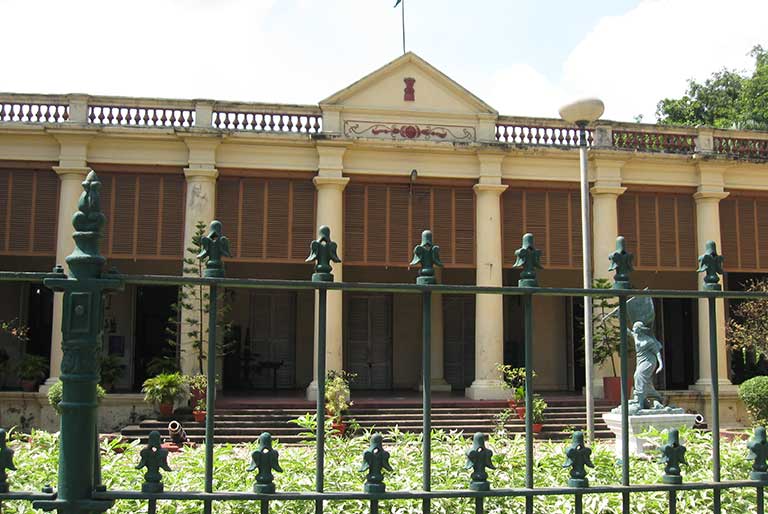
(166, 409)
(520, 410)
(199, 415)
(537, 427)
(28, 385)
(340, 427)
(512, 403)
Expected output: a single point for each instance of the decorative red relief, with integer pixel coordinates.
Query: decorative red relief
(410, 92)
(408, 131)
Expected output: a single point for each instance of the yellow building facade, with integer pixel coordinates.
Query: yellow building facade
(403, 149)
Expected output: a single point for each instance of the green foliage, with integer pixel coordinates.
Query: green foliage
(539, 406)
(606, 337)
(56, 392)
(33, 367)
(747, 330)
(198, 383)
(728, 99)
(514, 378)
(36, 460)
(754, 394)
(337, 393)
(165, 388)
(194, 302)
(200, 405)
(111, 370)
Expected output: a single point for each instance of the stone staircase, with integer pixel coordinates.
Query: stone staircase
(244, 423)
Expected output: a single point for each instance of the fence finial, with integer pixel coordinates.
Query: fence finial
(673, 456)
(758, 453)
(428, 255)
(266, 460)
(375, 460)
(528, 258)
(153, 457)
(215, 246)
(577, 456)
(85, 261)
(622, 263)
(711, 264)
(323, 251)
(479, 459)
(6, 462)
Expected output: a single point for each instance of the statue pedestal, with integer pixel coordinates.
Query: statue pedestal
(641, 423)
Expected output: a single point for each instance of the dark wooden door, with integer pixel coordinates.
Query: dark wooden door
(272, 340)
(459, 340)
(369, 340)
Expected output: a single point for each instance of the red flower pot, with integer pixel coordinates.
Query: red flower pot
(512, 403)
(166, 409)
(28, 385)
(520, 412)
(199, 415)
(340, 427)
(537, 427)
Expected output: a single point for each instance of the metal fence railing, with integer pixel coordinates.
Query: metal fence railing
(83, 290)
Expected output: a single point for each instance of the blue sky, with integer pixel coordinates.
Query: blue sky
(522, 57)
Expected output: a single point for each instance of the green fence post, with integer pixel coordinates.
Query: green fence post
(82, 322)
(711, 264)
(426, 254)
(622, 263)
(323, 252)
(528, 258)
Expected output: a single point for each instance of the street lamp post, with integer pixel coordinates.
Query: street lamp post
(581, 113)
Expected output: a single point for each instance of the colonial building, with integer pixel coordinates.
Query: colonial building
(403, 149)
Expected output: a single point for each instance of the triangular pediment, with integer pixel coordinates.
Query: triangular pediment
(386, 90)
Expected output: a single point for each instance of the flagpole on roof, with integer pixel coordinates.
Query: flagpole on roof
(401, 3)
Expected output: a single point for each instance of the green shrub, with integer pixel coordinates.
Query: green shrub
(754, 394)
(165, 388)
(57, 390)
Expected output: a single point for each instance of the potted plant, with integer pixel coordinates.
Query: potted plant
(198, 388)
(537, 414)
(56, 392)
(606, 339)
(164, 390)
(336, 398)
(111, 370)
(32, 370)
(514, 379)
(198, 412)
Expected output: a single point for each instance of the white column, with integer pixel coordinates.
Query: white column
(489, 309)
(330, 200)
(708, 228)
(605, 229)
(201, 206)
(70, 188)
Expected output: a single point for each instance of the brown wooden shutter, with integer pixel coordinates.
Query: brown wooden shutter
(536, 219)
(667, 242)
(173, 216)
(21, 212)
(148, 214)
(728, 233)
(354, 223)
(399, 240)
(277, 219)
(627, 214)
(5, 209)
(686, 231)
(746, 226)
(376, 221)
(761, 207)
(647, 230)
(442, 224)
(465, 225)
(303, 208)
(252, 233)
(421, 210)
(576, 249)
(123, 214)
(512, 223)
(559, 230)
(46, 212)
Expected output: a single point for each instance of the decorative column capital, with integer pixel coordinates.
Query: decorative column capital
(201, 174)
(72, 172)
(709, 196)
(330, 158)
(496, 189)
(338, 183)
(599, 190)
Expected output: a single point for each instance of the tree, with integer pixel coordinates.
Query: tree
(190, 314)
(747, 330)
(728, 99)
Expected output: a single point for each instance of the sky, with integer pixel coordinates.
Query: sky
(524, 58)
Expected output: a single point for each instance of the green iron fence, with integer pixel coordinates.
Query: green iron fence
(84, 288)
